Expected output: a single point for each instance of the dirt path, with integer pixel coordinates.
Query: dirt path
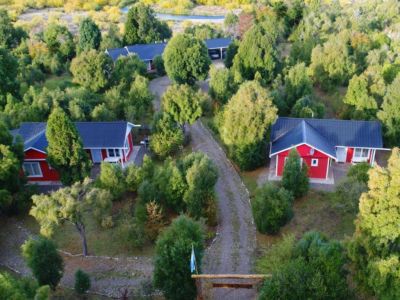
(109, 276)
(233, 249)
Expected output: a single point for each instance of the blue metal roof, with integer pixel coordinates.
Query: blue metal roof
(147, 52)
(218, 43)
(325, 134)
(93, 134)
(116, 53)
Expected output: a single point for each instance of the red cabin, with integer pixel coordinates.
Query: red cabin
(103, 141)
(321, 141)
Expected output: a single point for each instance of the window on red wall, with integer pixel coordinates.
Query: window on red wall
(314, 162)
(32, 169)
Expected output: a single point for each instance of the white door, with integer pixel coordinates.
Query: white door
(341, 153)
(96, 156)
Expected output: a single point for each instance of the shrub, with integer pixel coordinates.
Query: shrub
(173, 251)
(112, 179)
(155, 220)
(314, 271)
(222, 86)
(295, 175)
(272, 208)
(45, 262)
(360, 172)
(347, 194)
(82, 282)
(159, 64)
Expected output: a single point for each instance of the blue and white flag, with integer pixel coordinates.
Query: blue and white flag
(192, 261)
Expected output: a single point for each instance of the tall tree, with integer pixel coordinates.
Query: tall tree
(374, 248)
(183, 103)
(9, 36)
(59, 41)
(173, 249)
(65, 150)
(295, 175)
(72, 204)
(297, 83)
(256, 54)
(142, 27)
(8, 74)
(89, 35)
(92, 70)
(245, 122)
(186, 59)
(358, 94)
(45, 262)
(222, 85)
(390, 112)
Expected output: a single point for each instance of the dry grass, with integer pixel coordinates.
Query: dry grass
(316, 212)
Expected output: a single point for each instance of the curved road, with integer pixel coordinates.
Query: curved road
(232, 250)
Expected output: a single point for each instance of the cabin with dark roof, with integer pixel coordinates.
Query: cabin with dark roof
(147, 52)
(103, 141)
(320, 142)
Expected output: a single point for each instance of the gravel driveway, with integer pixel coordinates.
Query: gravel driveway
(233, 249)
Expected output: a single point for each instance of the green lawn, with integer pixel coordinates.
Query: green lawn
(62, 82)
(316, 211)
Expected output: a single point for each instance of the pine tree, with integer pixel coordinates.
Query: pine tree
(65, 150)
(295, 175)
(89, 35)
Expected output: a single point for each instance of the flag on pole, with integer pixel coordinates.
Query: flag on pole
(192, 262)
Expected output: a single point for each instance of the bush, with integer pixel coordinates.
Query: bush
(295, 175)
(159, 64)
(314, 271)
(111, 178)
(82, 282)
(45, 262)
(347, 194)
(272, 208)
(173, 251)
(360, 172)
(222, 86)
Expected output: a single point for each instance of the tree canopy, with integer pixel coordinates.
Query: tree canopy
(142, 27)
(89, 35)
(173, 250)
(186, 59)
(73, 204)
(295, 175)
(374, 248)
(65, 150)
(183, 103)
(245, 121)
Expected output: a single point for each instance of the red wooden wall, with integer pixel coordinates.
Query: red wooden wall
(48, 174)
(304, 152)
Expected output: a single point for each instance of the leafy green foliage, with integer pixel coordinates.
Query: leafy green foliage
(9, 36)
(315, 271)
(297, 83)
(65, 150)
(358, 94)
(374, 248)
(158, 62)
(82, 282)
(167, 136)
(222, 85)
(308, 107)
(8, 73)
(173, 250)
(92, 70)
(186, 59)
(203, 31)
(245, 121)
(127, 68)
(111, 39)
(230, 53)
(21, 289)
(89, 35)
(183, 103)
(360, 172)
(111, 178)
(72, 204)
(272, 208)
(295, 175)
(142, 27)
(256, 54)
(45, 262)
(59, 41)
(390, 112)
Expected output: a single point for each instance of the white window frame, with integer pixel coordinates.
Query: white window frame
(314, 162)
(114, 152)
(30, 163)
(363, 154)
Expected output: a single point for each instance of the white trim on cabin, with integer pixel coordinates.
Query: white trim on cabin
(360, 158)
(33, 148)
(327, 168)
(295, 146)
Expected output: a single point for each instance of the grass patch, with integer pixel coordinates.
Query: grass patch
(316, 211)
(58, 82)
